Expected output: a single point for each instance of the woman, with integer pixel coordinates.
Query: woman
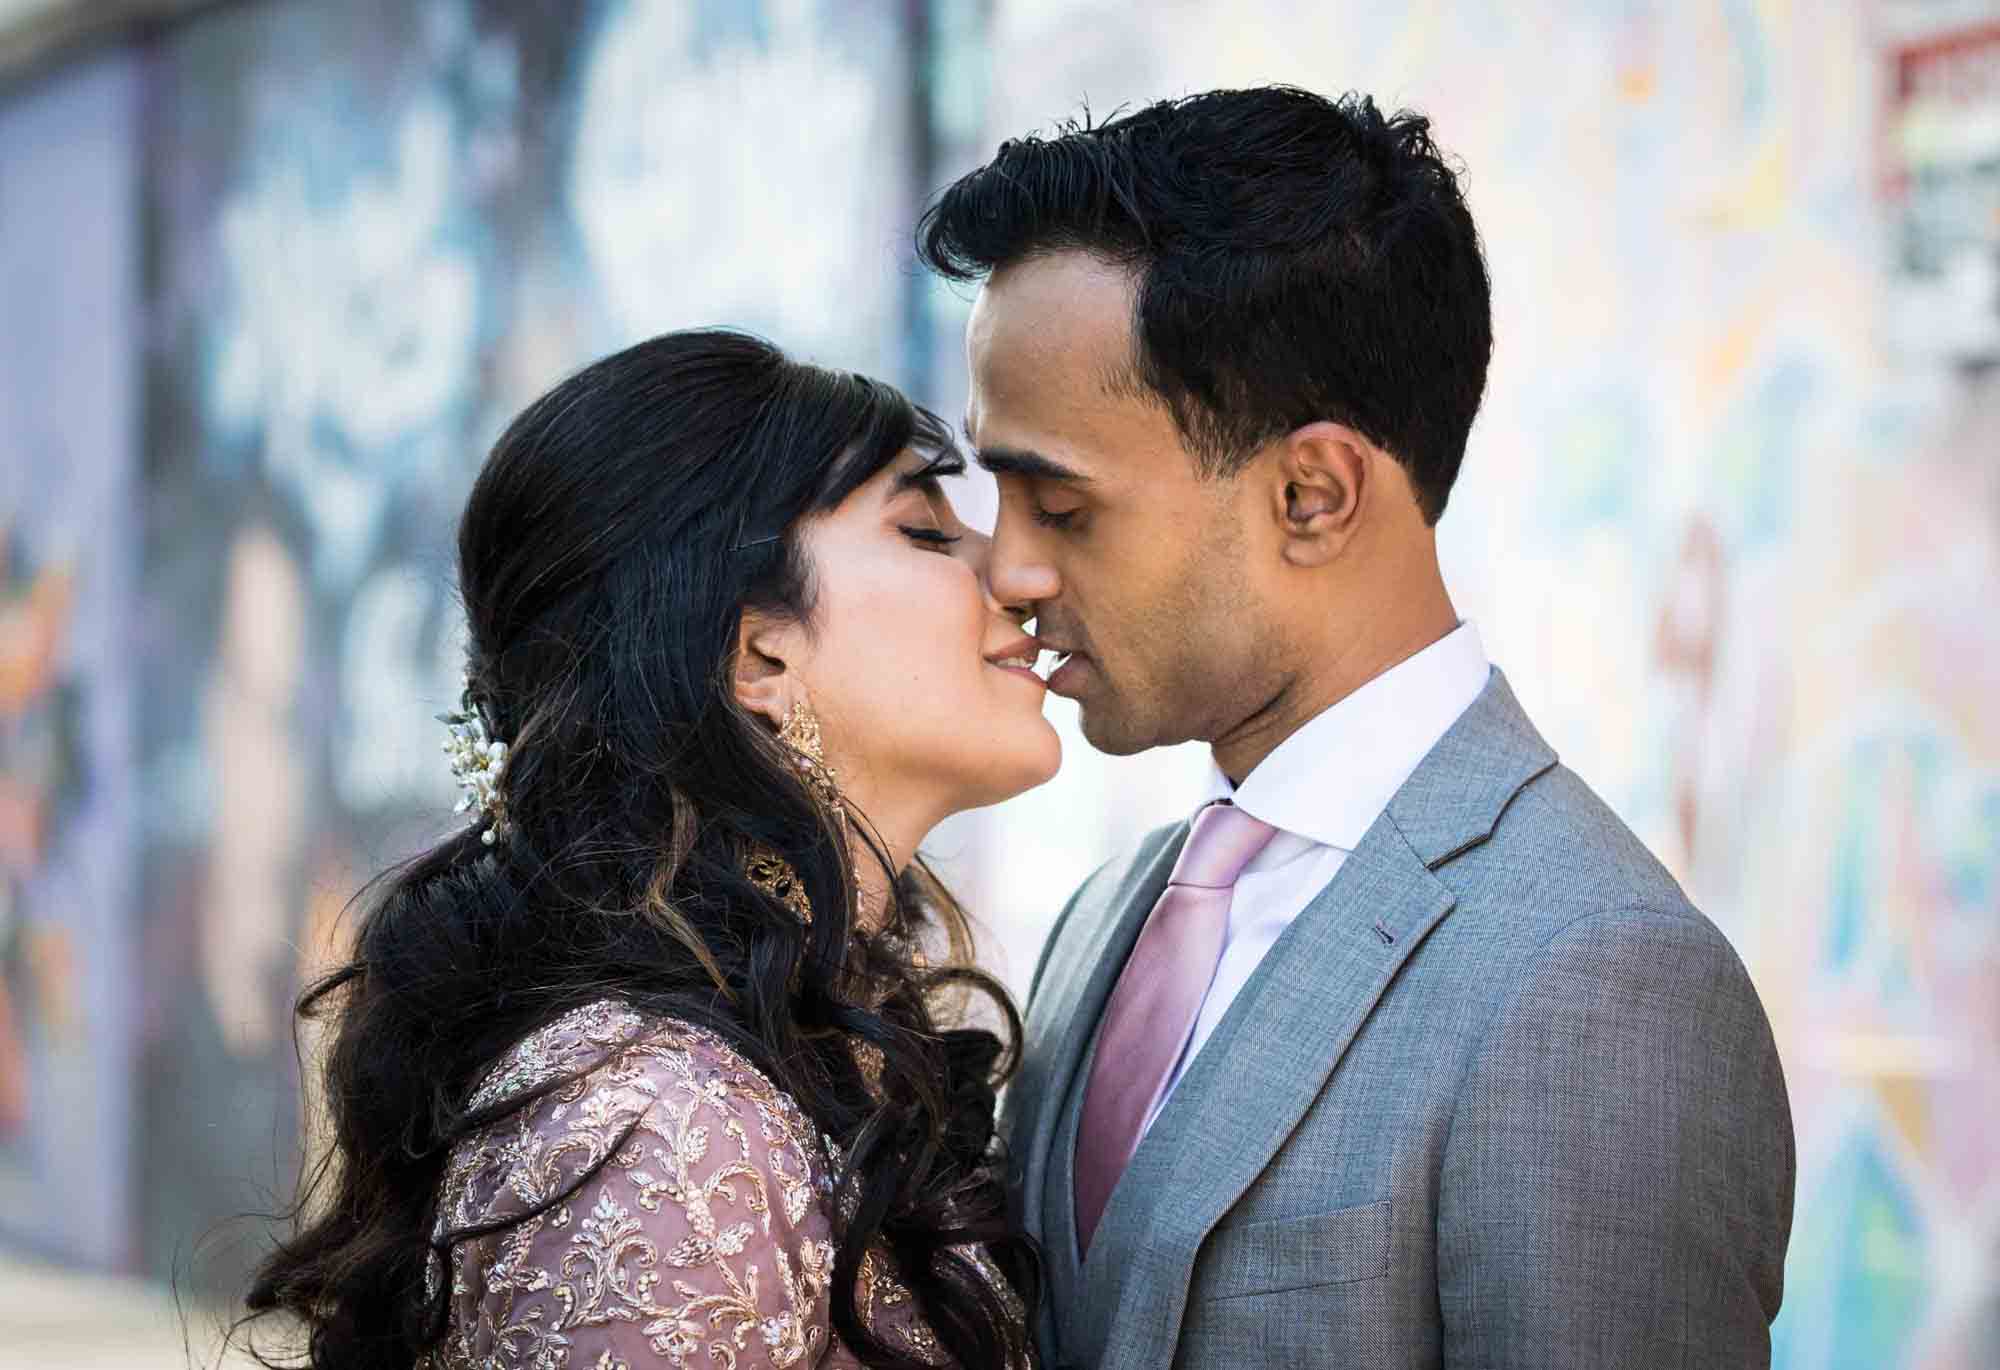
(646, 1066)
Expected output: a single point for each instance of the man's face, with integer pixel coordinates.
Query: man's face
(1137, 567)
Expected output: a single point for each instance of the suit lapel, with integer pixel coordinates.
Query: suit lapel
(1061, 1024)
(1246, 1091)
(1454, 799)
(1281, 1040)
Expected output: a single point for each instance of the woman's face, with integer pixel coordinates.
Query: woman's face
(924, 686)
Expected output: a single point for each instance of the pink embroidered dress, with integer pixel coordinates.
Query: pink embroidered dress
(705, 1240)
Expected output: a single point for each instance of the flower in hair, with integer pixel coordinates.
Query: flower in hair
(478, 763)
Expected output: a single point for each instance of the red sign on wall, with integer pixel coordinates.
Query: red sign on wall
(1941, 155)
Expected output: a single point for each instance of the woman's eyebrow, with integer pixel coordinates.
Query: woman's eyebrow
(937, 468)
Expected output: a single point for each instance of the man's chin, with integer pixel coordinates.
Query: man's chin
(1110, 732)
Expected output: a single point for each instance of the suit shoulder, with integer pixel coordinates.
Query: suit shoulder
(1576, 856)
(1642, 942)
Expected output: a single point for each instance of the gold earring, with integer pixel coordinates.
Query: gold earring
(801, 734)
(774, 875)
(762, 865)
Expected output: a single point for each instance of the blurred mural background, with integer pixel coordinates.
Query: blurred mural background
(274, 273)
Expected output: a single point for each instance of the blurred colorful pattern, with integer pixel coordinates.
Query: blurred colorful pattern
(1735, 537)
(380, 229)
(68, 555)
(1737, 543)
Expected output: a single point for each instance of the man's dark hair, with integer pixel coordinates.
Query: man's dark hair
(1298, 259)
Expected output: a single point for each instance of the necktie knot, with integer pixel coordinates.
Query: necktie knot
(1223, 840)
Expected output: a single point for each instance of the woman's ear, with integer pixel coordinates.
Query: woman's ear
(1322, 476)
(762, 676)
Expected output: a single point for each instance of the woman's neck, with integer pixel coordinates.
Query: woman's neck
(893, 831)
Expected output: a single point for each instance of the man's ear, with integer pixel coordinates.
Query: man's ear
(1322, 477)
(763, 680)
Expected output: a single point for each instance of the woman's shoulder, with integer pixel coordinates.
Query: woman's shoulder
(609, 1042)
(661, 1196)
(624, 1071)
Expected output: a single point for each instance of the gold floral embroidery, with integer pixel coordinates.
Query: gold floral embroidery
(868, 1058)
(702, 1237)
(922, 1341)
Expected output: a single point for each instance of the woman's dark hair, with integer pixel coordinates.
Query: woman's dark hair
(1298, 259)
(618, 531)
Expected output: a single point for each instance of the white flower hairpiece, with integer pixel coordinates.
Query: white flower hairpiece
(478, 763)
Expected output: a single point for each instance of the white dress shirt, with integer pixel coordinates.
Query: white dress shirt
(1322, 788)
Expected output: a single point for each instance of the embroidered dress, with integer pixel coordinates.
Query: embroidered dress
(704, 1241)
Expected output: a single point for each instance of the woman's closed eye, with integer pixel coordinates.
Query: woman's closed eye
(1054, 518)
(934, 538)
(927, 483)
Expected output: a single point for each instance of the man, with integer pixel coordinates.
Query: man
(1410, 1055)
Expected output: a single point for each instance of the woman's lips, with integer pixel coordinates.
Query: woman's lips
(1020, 660)
(1025, 672)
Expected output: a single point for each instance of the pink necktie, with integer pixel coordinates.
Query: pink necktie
(1154, 1004)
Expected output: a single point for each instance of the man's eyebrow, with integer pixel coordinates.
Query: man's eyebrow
(1019, 461)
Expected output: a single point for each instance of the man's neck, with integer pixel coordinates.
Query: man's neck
(1343, 668)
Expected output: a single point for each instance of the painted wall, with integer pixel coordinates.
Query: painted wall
(69, 294)
(1733, 533)
(378, 232)
(1735, 539)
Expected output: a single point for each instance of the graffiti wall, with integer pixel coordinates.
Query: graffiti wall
(68, 431)
(1730, 523)
(379, 230)
(1736, 543)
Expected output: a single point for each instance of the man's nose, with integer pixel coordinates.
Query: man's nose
(1017, 571)
(975, 549)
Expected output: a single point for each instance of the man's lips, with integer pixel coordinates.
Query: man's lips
(1018, 658)
(1066, 675)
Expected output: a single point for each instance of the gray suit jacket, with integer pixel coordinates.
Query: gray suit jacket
(1499, 1097)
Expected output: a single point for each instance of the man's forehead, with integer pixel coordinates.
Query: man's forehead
(1063, 275)
(1050, 309)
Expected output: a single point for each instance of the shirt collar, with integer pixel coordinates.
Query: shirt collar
(1329, 781)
